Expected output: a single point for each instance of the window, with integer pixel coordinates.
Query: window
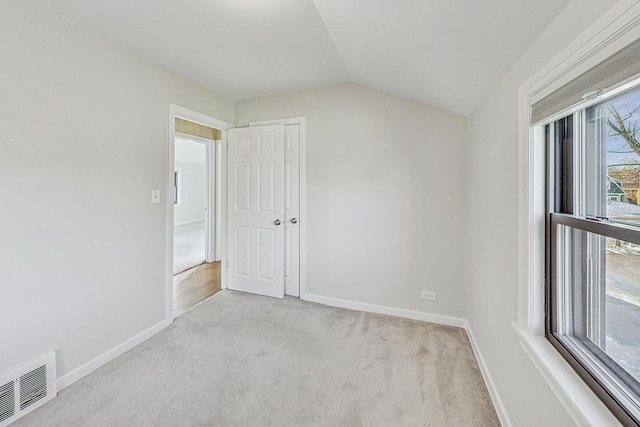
(593, 248)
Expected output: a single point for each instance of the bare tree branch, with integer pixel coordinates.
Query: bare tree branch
(626, 128)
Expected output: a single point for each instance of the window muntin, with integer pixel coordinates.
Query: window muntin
(593, 254)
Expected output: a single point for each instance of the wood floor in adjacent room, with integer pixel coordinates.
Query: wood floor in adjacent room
(195, 285)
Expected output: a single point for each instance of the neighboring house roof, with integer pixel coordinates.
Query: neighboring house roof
(629, 176)
(621, 208)
(614, 186)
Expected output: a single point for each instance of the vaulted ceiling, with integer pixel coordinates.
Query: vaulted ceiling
(447, 53)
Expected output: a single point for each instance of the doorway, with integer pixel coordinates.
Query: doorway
(196, 271)
(291, 263)
(193, 213)
(190, 204)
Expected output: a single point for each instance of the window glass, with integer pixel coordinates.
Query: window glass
(611, 185)
(622, 319)
(593, 293)
(597, 294)
(612, 159)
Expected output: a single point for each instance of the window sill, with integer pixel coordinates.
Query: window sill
(581, 403)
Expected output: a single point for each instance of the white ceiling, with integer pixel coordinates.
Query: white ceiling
(447, 53)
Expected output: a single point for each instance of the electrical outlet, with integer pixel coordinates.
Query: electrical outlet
(431, 296)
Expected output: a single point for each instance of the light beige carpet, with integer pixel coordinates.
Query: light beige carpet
(245, 360)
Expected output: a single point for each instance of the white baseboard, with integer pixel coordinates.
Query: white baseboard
(390, 311)
(488, 379)
(188, 222)
(432, 318)
(108, 356)
(92, 365)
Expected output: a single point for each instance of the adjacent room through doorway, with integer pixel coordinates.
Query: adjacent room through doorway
(189, 204)
(196, 272)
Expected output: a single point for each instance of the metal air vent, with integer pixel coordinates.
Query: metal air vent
(33, 387)
(27, 388)
(7, 401)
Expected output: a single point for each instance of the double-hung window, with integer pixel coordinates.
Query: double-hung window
(593, 247)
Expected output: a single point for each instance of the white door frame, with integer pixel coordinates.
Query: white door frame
(216, 200)
(297, 121)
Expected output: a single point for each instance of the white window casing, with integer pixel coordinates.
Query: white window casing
(554, 91)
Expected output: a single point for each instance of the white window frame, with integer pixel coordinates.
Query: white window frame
(618, 28)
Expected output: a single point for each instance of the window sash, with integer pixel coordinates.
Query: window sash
(598, 226)
(614, 386)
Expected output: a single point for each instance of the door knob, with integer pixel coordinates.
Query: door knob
(293, 221)
(277, 222)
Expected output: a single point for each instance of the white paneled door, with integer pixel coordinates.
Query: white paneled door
(256, 207)
(292, 210)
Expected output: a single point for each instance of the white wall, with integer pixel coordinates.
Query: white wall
(194, 194)
(83, 143)
(82, 248)
(492, 223)
(191, 159)
(385, 196)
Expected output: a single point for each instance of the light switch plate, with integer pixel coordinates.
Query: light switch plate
(155, 196)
